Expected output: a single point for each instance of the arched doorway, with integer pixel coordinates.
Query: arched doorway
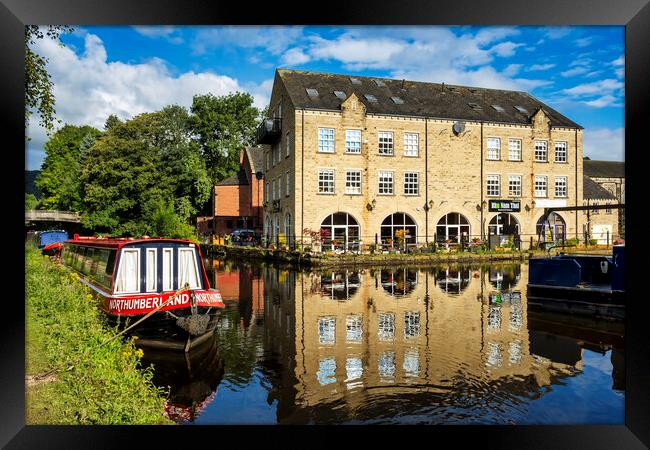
(396, 227)
(503, 227)
(552, 230)
(452, 227)
(339, 231)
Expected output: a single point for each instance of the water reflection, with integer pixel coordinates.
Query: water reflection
(394, 349)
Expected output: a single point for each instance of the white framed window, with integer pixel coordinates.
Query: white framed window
(168, 269)
(268, 160)
(386, 143)
(514, 150)
(352, 141)
(288, 184)
(385, 182)
(128, 275)
(540, 186)
(494, 149)
(561, 189)
(288, 144)
(411, 183)
(560, 152)
(326, 140)
(493, 188)
(326, 181)
(353, 182)
(152, 270)
(514, 185)
(411, 144)
(188, 270)
(275, 149)
(541, 151)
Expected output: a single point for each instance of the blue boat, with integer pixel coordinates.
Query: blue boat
(44, 240)
(579, 284)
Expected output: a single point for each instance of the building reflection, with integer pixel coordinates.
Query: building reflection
(350, 341)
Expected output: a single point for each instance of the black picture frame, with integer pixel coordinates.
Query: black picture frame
(633, 14)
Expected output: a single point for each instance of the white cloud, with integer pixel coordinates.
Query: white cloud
(274, 39)
(605, 100)
(604, 143)
(583, 42)
(505, 49)
(362, 52)
(536, 67)
(598, 87)
(575, 71)
(620, 61)
(166, 32)
(295, 56)
(512, 69)
(557, 32)
(88, 88)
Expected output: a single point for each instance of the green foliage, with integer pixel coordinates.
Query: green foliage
(63, 328)
(139, 165)
(38, 85)
(59, 179)
(593, 241)
(224, 125)
(571, 242)
(31, 202)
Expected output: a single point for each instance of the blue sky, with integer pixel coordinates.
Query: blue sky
(129, 70)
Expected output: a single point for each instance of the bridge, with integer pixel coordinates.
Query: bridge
(37, 215)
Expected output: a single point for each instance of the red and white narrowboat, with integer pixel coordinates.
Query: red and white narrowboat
(134, 277)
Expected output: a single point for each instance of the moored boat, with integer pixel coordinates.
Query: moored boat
(160, 282)
(579, 284)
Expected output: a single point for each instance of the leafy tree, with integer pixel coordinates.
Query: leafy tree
(38, 85)
(223, 125)
(31, 202)
(59, 179)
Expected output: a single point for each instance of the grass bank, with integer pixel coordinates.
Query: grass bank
(63, 324)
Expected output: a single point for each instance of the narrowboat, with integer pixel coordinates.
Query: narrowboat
(49, 242)
(163, 279)
(579, 284)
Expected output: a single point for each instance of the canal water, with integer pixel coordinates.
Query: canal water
(441, 345)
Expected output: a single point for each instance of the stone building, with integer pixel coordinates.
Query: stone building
(601, 224)
(237, 200)
(361, 160)
(611, 176)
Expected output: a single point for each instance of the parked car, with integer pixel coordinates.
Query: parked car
(244, 237)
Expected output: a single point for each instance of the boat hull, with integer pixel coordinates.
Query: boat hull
(596, 302)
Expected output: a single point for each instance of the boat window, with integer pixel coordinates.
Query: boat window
(187, 269)
(152, 272)
(168, 269)
(101, 277)
(91, 254)
(80, 258)
(110, 264)
(128, 275)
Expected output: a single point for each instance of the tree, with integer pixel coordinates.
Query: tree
(31, 202)
(140, 172)
(38, 85)
(223, 125)
(59, 179)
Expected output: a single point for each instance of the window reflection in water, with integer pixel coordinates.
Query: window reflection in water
(354, 330)
(386, 326)
(386, 366)
(515, 312)
(327, 330)
(399, 282)
(411, 324)
(340, 285)
(494, 319)
(411, 364)
(326, 371)
(494, 355)
(452, 280)
(504, 277)
(514, 352)
(353, 370)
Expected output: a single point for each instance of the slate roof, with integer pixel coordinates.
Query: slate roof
(256, 158)
(594, 191)
(238, 179)
(603, 169)
(433, 100)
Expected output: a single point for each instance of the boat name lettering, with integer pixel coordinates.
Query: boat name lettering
(119, 304)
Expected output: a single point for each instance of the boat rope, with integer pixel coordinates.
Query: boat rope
(112, 338)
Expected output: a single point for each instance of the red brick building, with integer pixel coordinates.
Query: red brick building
(237, 200)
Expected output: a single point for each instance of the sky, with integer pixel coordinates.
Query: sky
(128, 70)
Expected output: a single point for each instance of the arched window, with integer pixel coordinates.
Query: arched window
(287, 228)
(399, 282)
(552, 230)
(452, 227)
(504, 277)
(340, 285)
(452, 280)
(339, 231)
(398, 230)
(503, 223)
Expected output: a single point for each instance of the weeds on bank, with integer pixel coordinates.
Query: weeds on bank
(63, 325)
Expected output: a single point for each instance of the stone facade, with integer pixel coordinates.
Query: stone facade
(452, 168)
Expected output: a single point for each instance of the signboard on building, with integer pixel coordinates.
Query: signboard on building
(550, 203)
(505, 206)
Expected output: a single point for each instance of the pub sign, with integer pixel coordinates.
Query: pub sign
(505, 205)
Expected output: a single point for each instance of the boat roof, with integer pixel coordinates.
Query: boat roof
(119, 242)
